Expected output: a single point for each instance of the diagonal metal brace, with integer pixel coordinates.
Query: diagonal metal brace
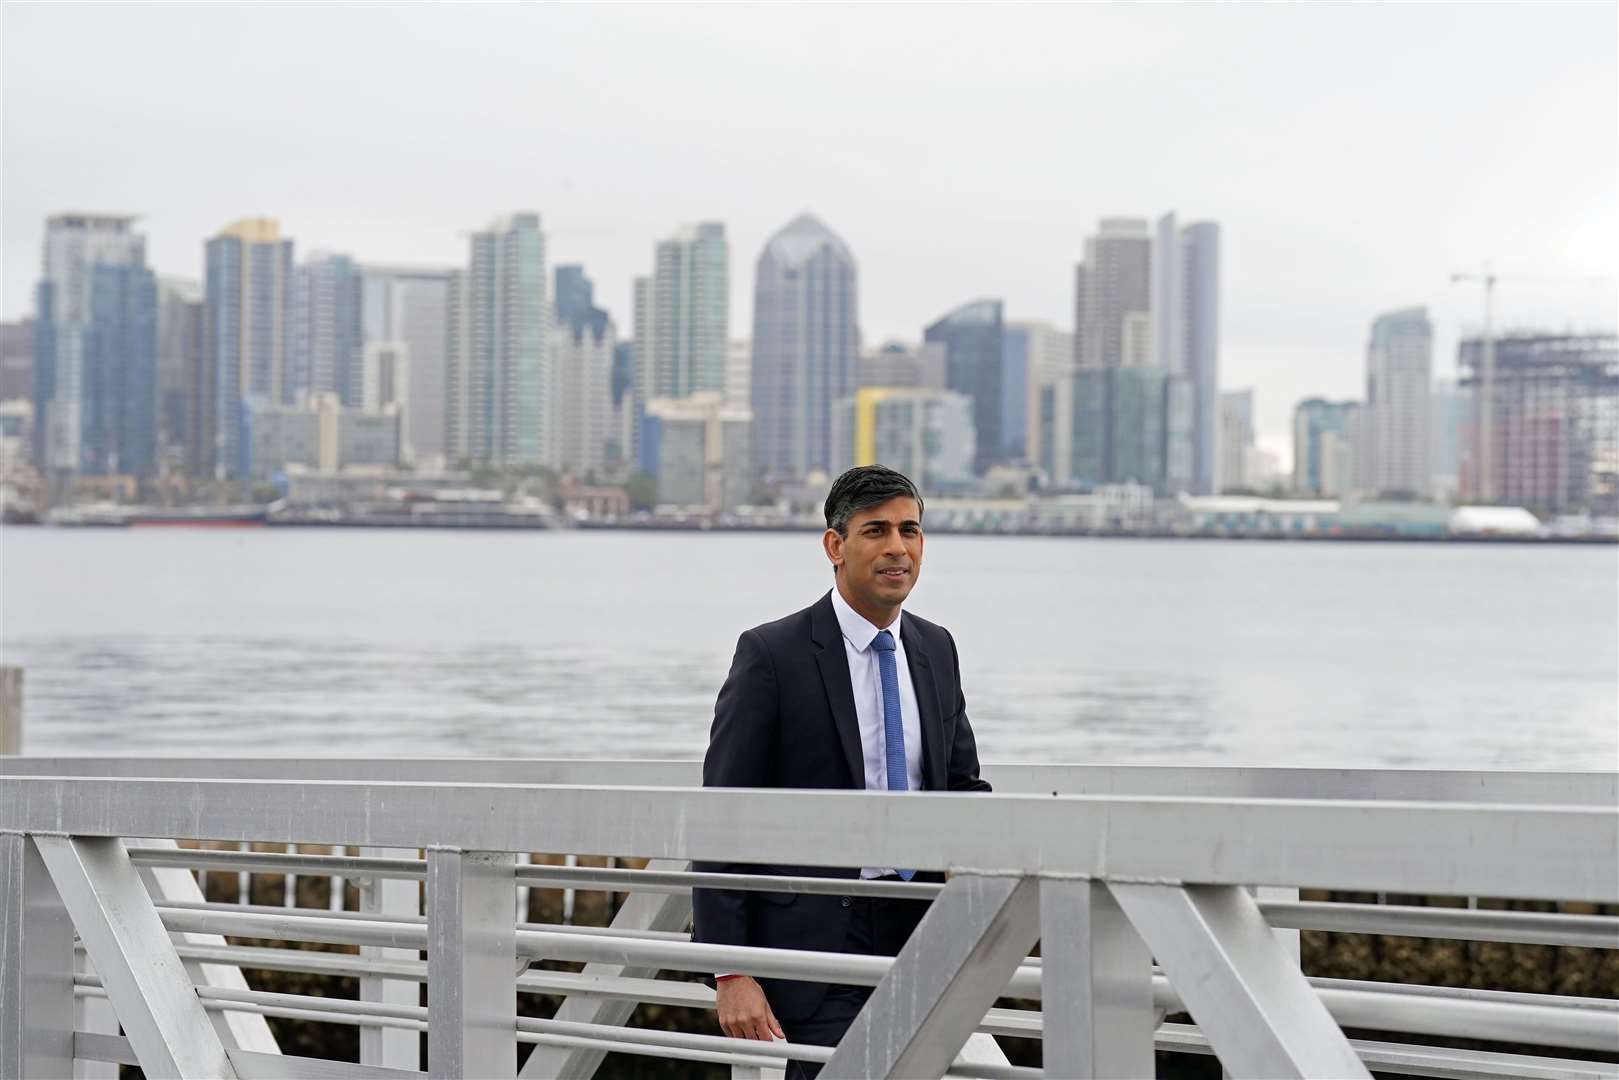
(642, 911)
(142, 973)
(948, 975)
(1247, 994)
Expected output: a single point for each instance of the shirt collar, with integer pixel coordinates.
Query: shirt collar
(856, 627)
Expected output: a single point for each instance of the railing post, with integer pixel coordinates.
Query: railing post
(36, 965)
(471, 953)
(394, 1047)
(1096, 982)
(10, 710)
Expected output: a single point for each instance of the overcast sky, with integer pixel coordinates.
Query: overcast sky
(1354, 155)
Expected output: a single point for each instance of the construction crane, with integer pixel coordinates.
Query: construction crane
(1484, 458)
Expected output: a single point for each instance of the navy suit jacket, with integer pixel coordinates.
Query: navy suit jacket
(786, 718)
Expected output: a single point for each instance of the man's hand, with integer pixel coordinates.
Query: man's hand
(744, 1012)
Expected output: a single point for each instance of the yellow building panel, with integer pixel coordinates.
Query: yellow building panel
(865, 423)
(259, 230)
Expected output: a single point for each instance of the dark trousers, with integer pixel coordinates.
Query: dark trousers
(877, 927)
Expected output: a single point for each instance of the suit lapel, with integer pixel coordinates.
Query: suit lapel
(927, 703)
(834, 665)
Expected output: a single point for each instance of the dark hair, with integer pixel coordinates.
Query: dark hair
(863, 487)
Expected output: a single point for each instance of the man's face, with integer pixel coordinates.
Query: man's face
(880, 559)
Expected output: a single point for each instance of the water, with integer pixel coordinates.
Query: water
(314, 641)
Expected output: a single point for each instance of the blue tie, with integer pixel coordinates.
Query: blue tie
(893, 729)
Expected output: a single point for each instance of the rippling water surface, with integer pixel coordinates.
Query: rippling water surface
(613, 644)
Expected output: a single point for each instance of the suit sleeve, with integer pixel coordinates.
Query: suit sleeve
(963, 751)
(741, 753)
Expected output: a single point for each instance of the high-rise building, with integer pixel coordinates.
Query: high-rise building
(806, 321)
(75, 244)
(497, 353)
(409, 306)
(179, 371)
(689, 313)
(1120, 416)
(119, 430)
(1326, 447)
(1451, 406)
(1236, 438)
(1200, 345)
(1044, 356)
(1113, 284)
(925, 434)
(1553, 403)
(583, 344)
(1151, 299)
(699, 447)
(247, 333)
(17, 360)
(1399, 370)
(385, 384)
(325, 355)
(975, 354)
(739, 372)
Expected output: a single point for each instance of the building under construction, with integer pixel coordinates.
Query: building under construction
(1544, 425)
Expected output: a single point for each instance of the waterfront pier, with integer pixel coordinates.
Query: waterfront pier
(1087, 907)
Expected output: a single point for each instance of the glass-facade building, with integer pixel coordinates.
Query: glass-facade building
(975, 358)
(805, 344)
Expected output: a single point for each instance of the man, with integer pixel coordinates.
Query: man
(844, 694)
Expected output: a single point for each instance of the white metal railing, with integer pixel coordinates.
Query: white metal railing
(1110, 868)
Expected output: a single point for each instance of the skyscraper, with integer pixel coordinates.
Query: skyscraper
(497, 389)
(75, 243)
(925, 434)
(805, 339)
(1236, 438)
(975, 354)
(1113, 291)
(689, 314)
(179, 364)
(409, 306)
(1046, 357)
(325, 354)
(1399, 371)
(119, 432)
(584, 340)
(1554, 431)
(247, 331)
(1200, 345)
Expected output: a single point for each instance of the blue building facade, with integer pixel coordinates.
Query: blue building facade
(975, 359)
(119, 423)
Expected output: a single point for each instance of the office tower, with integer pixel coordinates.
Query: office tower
(179, 363)
(1043, 356)
(1236, 438)
(1326, 453)
(75, 244)
(1399, 370)
(584, 341)
(699, 448)
(1554, 428)
(895, 363)
(119, 393)
(974, 357)
(683, 312)
(409, 306)
(925, 434)
(619, 454)
(1450, 407)
(1118, 424)
(1112, 292)
(806, 321)
(1200, 345)
(497, 358)
(247, 332)
(17, 360)
(325, 354)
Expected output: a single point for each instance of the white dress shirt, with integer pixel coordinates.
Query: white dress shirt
(866, 680)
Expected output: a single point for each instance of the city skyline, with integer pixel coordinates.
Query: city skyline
(1316, 238)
